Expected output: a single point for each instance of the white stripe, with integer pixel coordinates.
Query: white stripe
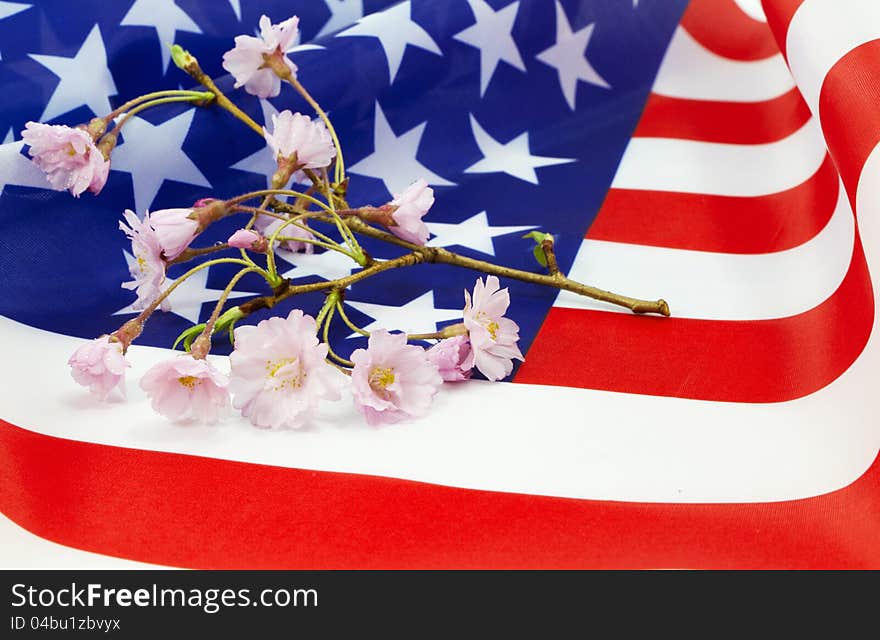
(712, 168)
(567, 442)
(21, 549)
(821, 33)
(753, 9)
(721, 286)
(691, 71)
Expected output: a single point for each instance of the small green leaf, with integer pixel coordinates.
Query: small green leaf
(537, 250)
(188, 336)
(181, 57)
(187, 341)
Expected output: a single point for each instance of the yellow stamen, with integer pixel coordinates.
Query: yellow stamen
(492, 328)
(294, 381)
(381, 378)
(189, 381)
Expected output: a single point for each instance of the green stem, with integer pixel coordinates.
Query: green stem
(149, 96)
(155, 103)
(146, 313)
(205, 80)
(332, 297)
(277, 192)
(351, 325)
(344, 231)
(202, 344)
(330, 351)
(340, 163)
(317, 234)
(358, 254)
(336, 366)
(270, 250)
(299, 215)
(317, 243)
(257, 211)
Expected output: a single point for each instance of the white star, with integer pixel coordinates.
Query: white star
(395, 29)
(236, 7)
(153, 154)
(394, 158)
(15, 169)
(164, 16)
(298, 48)
(493, 36)
(187, 299)
(11, 8)
(568, 57)
(84, 79)
(512, 158)
(329, 265)
(416, 316)
(342, 14)
(474, 233)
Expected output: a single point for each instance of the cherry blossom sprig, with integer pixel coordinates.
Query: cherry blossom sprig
(283, 368)
(77, 159)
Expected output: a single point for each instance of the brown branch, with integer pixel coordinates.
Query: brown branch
(190, 253)
(557, 280)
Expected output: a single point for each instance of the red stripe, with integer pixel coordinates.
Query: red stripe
(729, 122)
(779, 14)
(725, 29)
(733, 361)
(721, 224)
(204, 513)
(848, 108)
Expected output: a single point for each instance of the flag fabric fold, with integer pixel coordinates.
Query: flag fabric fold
(713, 156)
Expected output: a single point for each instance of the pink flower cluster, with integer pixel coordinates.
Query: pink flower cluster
(279, 370)
(280, 375)
(69, 157)
(299, 139)
(247, 60)
(156, 239)
(493, 337)
(409, 209)
(185, 388)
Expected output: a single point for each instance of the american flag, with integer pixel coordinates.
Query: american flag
(712, 153)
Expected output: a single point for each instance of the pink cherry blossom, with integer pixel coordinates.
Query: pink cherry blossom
(294, 133)
(175, 230)
(493, 337)
(392, 380)
(185, 388)
(412, 205)
(148, 269)
(268, 226)
(246, 63)
(279, 375)
(453, 358)
(68, 157)
(99, 365)
(244, 239)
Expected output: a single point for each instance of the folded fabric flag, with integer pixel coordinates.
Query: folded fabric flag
(706, 153)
